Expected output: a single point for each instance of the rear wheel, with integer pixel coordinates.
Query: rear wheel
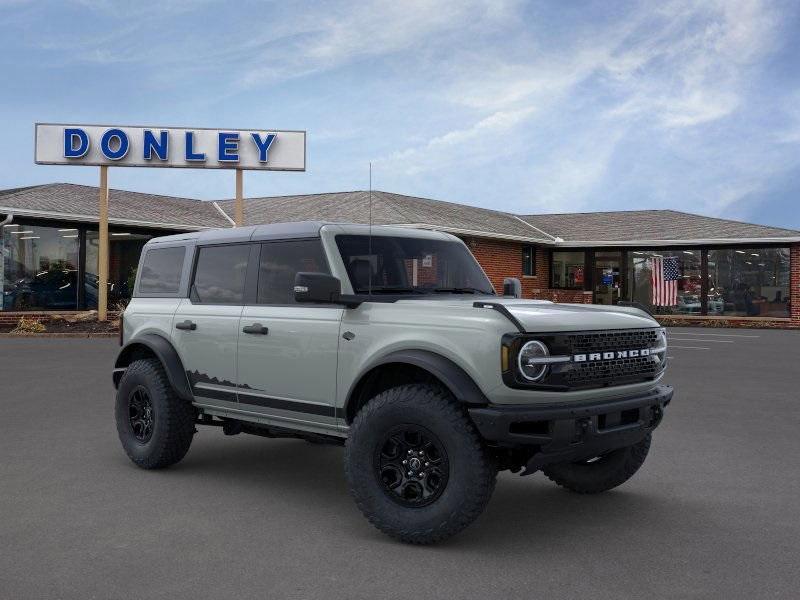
(416, 466)
(153, 424)
(600, 473)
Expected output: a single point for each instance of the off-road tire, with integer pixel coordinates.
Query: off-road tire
(471, 472)
(172, 423)
(607, 472)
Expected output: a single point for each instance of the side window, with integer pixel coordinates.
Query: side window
(161, 271)
(220, 273)
(280, 262)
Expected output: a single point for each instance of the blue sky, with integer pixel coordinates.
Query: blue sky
(520, 106)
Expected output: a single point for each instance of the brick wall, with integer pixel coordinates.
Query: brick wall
(502, 259)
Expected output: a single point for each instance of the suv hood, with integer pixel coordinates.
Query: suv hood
(541, 315)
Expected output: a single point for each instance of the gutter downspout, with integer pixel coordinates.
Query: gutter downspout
(224, 214)
(7, 220)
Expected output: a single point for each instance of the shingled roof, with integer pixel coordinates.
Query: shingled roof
(638, 227)
(79, 202)
(388, 209)
(661, 226)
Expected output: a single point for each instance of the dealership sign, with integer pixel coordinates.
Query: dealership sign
(193, 148)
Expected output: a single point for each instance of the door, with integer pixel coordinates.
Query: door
(288, 352)
(607, 277)
(205, 327)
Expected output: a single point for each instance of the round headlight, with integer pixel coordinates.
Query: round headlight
(527, 360)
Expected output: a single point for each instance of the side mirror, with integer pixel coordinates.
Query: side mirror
(317, 287)
(512, 287)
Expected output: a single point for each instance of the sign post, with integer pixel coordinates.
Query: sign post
(172, 147)
(239, 209)
(102, 255)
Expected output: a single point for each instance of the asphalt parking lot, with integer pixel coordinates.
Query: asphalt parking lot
(714, 512)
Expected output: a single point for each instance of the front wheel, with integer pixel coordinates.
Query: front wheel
(600, 473)
(154, 425)
(416, 466)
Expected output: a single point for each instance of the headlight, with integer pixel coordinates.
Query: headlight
(530, 360)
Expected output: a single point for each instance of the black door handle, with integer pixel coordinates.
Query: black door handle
(256, 328)
(187, 325)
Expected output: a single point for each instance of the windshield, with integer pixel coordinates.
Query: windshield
(399, 265)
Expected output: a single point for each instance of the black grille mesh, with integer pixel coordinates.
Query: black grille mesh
(605, 372)
(612, 340)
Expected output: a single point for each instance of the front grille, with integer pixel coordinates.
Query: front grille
(609, 371)
(601, 373)
(612, 340)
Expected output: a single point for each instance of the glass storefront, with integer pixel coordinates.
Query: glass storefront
(567, 270)
(748, 282)
(39, 268)
(54, 267)
(124, 250)
(677, 292)
(739, 282)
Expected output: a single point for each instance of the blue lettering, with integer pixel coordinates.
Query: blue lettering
(190, 153)
(122, 144)
(70, 137)
(159, 146)
(228, 142)
(263, 145)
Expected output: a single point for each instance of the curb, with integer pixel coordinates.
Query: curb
(58, 335)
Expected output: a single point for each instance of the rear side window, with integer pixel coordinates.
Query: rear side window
(280, 262)
(161, 271)
(220, 274)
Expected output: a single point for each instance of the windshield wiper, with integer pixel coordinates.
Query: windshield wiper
(460, 290)
(390, 290)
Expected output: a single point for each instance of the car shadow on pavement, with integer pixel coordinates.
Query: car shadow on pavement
(528, 511)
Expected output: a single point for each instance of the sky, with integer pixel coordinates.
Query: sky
(527, 107)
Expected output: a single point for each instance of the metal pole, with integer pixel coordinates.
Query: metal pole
(239, 209)
(102, 255)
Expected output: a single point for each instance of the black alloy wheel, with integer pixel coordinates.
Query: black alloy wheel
(412, 465)
(140, 414)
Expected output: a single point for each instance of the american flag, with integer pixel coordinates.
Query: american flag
(664, 277)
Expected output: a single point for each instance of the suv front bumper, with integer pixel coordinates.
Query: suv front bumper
(564, 433)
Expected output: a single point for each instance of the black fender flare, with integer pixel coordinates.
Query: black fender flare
(166, 354)
(452, 376)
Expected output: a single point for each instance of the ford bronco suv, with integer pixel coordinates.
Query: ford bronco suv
(392, 342)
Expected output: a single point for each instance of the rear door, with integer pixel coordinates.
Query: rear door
(288, 352)
(205, 327)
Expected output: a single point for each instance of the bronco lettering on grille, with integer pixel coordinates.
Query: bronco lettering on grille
(597, 356)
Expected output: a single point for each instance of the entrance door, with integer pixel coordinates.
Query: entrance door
(288, 352)
(607, 277)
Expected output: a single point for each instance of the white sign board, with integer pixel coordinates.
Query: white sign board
(189, 148)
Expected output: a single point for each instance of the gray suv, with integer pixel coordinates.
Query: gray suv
(392, 342)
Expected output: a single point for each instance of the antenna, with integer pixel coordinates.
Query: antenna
(369, 253)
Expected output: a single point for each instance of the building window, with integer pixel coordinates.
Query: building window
(568, 270)
(529, 261)
(39, 268)
(748, 282)
(666, 281)
(124, 248)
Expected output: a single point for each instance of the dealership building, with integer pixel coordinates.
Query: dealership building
(718, 271)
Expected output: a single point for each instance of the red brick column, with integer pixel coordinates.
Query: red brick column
(794, 283)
